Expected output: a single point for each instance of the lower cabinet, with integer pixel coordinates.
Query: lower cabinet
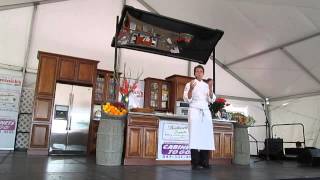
(134, 142)
(92, 144)
(141, 144)
(40, 135)
(141, 139)
(223, 138)
(150, 142)
(223, 145)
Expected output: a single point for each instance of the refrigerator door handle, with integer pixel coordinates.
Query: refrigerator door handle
(71, 108)
(70, 123)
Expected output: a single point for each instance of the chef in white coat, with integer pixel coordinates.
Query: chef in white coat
(199, 94)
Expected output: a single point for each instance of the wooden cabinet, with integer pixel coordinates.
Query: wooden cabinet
(150, 142)
(141, 144)
(39, 136)
(103, 91)
(77, 70)
(92, 144)
(67, 69)
(134, 142)
(228, 145)
(42, 109)
(177, 87)
(141, 138)
(217, 153)
(223, 137)
(46, 78)
(104, 87)
(54, 68)
(86, 72)
(156, 94)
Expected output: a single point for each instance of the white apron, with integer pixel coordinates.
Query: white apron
(200, 129)
(199, 117)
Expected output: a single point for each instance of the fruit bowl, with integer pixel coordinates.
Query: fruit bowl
(113, 110)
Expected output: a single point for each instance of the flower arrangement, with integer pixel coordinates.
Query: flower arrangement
(242, 119)
(218, 105)
(127, 87)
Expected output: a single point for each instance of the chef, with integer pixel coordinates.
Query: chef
(199, 94)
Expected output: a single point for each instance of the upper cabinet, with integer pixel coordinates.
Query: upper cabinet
(156, 94)
(77, 70)
(104, 87)
(85, 71)
(47, 75)
(67, 69)
(178, 84)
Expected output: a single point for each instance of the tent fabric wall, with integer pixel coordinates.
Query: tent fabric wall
(85, 29)
(14, 32)
(302, 110)
(87, 32)
(256, 110)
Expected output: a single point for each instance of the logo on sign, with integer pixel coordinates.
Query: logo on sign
(175, 149)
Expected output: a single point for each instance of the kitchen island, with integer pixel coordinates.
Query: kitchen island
(161, 138)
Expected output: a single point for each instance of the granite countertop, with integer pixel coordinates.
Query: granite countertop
(174, 116)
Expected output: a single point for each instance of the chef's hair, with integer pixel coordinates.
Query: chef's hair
(199, 66)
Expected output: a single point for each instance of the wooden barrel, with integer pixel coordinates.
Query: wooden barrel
(110, 142)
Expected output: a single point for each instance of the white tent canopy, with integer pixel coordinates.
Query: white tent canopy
(270, 49)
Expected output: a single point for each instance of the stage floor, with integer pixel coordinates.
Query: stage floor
(20, 166)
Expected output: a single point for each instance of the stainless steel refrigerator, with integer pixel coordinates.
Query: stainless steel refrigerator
(71, 119)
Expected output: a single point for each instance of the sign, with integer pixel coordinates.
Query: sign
(173, 140)
(10, 89)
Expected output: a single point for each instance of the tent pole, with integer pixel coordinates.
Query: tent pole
(115, 60)
(27, 4)
(189, 68)
(214, 72)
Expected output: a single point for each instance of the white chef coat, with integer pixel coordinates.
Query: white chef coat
(199, 116)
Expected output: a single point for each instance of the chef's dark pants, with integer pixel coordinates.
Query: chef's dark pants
(199, 157)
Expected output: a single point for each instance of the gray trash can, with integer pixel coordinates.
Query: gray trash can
(110, 141)
(241, 145)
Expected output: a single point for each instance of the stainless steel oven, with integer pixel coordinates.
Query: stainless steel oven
(181, 108)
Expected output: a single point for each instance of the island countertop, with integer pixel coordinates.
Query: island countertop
(175, 116)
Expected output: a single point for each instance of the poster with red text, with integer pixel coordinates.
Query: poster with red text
(10, 89)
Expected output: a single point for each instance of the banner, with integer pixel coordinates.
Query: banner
(10, 89)
(173, 140)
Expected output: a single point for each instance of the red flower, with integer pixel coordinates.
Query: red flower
(126, 88)
(220, 100)
(217, 105)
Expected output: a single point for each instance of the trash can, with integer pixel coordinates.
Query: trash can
(110, 141)
(241, 145)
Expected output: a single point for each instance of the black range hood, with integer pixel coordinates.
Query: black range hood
(148, 32)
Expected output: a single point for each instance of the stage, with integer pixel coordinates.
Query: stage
(19, 166)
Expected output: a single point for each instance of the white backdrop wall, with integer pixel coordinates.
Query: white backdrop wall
(14, 33)
(302, 110)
